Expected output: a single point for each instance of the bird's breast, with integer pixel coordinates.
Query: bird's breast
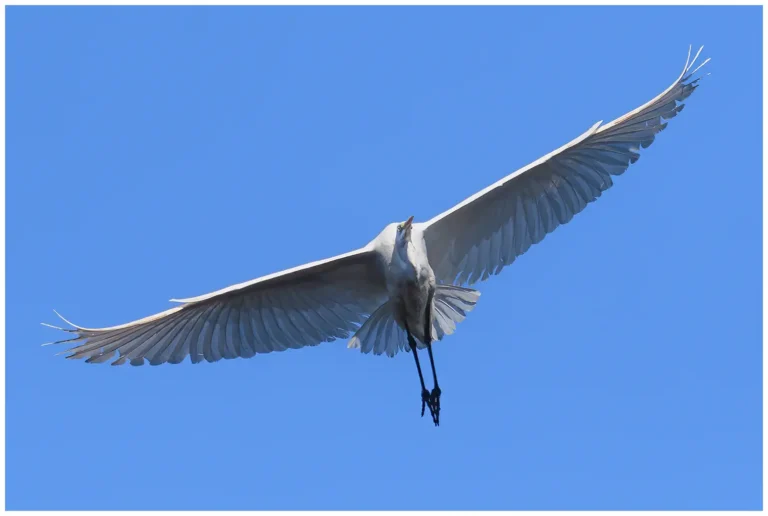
(411, 300)
(410, 296)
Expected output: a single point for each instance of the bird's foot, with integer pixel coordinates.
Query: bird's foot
(425, 401)
(434, 405)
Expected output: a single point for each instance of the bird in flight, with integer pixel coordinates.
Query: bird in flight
(409, 286)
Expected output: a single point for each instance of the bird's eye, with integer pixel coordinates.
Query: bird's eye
(399, 227)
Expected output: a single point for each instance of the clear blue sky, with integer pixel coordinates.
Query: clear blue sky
(166, 152)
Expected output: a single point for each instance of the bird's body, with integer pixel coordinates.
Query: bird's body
(408, 276)
(409, 283)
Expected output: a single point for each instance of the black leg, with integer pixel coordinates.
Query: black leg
(435, 396)
(425, 399)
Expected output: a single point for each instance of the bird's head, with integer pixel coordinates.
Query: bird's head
(404, 231)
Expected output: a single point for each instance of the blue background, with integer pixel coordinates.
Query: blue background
(167, 152)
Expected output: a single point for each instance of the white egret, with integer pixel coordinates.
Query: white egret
(409, 285)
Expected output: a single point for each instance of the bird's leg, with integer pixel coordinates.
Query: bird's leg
(434, 399)
(424, 392)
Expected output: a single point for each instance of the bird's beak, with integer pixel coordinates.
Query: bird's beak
(407, 223)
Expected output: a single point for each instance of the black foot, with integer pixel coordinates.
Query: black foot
(426, 401)
(434, 404)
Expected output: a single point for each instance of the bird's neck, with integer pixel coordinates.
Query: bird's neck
(408, 257)
(404, 249)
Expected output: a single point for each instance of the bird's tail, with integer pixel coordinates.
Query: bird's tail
(381, 334)
(451, 304)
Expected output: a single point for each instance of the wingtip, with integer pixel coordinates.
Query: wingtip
(74, 339)
(66, 321)
(695, 57)
(707, 60)
(78, 337)
(54, 327)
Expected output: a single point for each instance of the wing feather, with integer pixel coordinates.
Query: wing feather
(487, 231)
(303, 306)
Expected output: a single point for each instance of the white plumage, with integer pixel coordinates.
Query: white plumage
(373, 293)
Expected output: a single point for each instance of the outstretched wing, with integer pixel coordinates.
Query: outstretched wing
(484, 233)
(304, 306)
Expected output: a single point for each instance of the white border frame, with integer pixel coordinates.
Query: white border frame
(350, 2)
